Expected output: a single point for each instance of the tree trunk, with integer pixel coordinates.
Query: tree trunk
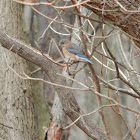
(17, 120)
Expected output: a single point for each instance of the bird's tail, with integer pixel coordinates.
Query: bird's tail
(87, 60)
(84, 57)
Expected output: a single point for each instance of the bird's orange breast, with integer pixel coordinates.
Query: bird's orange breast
(67, 54)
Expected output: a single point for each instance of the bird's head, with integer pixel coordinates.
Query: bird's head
(63, 42)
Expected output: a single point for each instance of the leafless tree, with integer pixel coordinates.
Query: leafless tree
(112, 41)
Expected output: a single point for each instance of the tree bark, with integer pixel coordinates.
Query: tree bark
(58, 119)
(17, 120)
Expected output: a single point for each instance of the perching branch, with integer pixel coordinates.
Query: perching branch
(67, 99)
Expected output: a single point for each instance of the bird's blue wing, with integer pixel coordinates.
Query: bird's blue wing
(85, 58)
(74, 49)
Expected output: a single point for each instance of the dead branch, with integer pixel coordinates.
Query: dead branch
(67, 99)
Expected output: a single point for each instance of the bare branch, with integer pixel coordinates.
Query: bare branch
(129, 26)
(119, 89)
(67, 99)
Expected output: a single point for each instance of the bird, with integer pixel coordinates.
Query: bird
(72, 52)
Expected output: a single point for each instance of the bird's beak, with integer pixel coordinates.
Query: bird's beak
(59, 46)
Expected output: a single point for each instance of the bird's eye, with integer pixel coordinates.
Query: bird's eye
(63, 43)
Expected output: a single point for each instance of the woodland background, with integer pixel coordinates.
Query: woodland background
(33, 87)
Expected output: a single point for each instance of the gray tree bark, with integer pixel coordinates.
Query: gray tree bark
(17, 120)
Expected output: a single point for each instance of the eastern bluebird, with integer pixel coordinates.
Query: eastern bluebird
(72, 51)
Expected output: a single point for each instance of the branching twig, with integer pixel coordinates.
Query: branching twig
(118, 89)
